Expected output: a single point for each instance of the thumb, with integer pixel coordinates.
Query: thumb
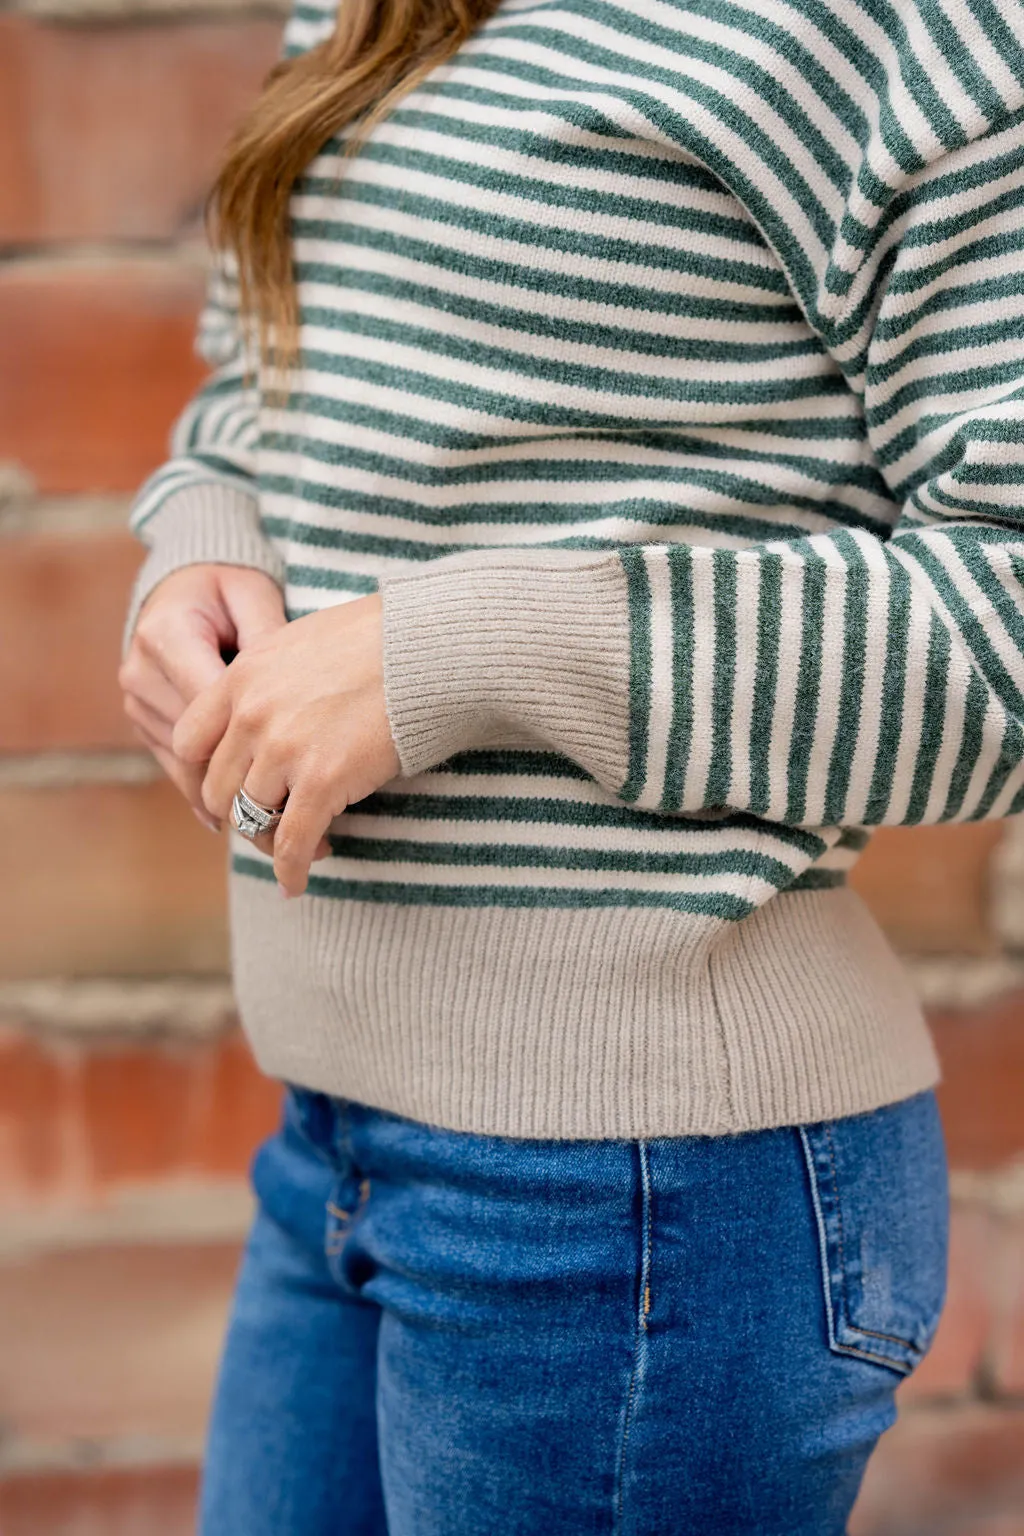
(255, 604)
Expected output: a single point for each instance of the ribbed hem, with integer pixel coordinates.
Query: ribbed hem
(531, 641)
(580, 1023)
(209, 524)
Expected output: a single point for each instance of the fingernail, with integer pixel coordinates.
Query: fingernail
(206, 821)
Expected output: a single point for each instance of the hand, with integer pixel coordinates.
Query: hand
(175, 653)
(299, 713)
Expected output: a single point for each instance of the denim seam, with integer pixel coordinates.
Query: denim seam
(901, 1366)
(640, 1330)
(868, 1333)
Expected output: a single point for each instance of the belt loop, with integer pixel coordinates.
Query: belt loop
(313, 1116)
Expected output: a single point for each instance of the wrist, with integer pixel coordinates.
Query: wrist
(208, 524)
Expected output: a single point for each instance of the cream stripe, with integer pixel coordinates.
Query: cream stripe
(955, 712)
(783, 715)
(659, 720)
(915, 677)
(833, 668)
(747, 615)
(876, 625)
(702, 679)
(676, 838)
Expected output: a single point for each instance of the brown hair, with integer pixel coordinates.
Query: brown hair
(379, 50)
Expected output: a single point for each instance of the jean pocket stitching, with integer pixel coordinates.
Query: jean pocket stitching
(339, 1226)
(836, 1309)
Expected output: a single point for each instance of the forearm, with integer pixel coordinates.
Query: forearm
(827, 681)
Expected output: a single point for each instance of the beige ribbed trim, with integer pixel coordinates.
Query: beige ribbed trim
(476, 652)
(210, 524)
(584, 1022)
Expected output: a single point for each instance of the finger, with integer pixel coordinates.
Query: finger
(266, 783)
(306, 817)
(265, 843)
(226, 771)
(204, 722)
(144, 679)
(187, 650)
(185, 778)
(255, 604)
(262, 782)
(158, 730)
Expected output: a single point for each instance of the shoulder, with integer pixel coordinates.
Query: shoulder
(310, 22)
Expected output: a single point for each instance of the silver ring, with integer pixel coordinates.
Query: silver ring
(253, 819)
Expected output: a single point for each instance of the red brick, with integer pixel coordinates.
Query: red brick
(982, 1093)
(154, 1111)
(109, 880)
(77, 1121)
(102, 1343)
(928, 886)
(127, 1501)
(62, 607)
(33, 1107)
(114, 132)
(95, 362)
(1007, 1284)
(942, 1469)
(952, 1366)
(244, 1106)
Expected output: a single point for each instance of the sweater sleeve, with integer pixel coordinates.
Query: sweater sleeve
(201, 506)
(836, 679)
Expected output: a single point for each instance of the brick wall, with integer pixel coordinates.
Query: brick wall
(128, 1104)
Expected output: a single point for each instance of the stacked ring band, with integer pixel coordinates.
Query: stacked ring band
(252, 819)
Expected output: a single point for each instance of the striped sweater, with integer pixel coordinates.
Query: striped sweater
(663, 366)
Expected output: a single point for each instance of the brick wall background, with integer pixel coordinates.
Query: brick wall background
(128, 1104)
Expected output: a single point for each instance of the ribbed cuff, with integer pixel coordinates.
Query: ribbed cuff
(211, 524)
(537, 642)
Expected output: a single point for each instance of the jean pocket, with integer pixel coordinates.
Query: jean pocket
(879, 1187)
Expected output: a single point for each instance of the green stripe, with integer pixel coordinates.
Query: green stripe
(680, 570)
(716, 791)
(851, 689)
(808, 688)
(818, 880)
(728, 861)
(322, 580)
(583, 470)
(893, 689)
(971, 743)
(556, 811)
(933, 720)
(715, 904)
(638, 596)
(769, 643)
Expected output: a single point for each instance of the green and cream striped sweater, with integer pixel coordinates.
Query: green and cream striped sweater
(663, 364)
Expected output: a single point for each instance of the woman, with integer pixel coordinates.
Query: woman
(635, 450)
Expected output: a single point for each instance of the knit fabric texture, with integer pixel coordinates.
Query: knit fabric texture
(663, 366)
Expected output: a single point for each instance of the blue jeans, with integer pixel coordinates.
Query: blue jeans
(444, 1334)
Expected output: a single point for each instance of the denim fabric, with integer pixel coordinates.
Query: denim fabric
(444, 1334)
